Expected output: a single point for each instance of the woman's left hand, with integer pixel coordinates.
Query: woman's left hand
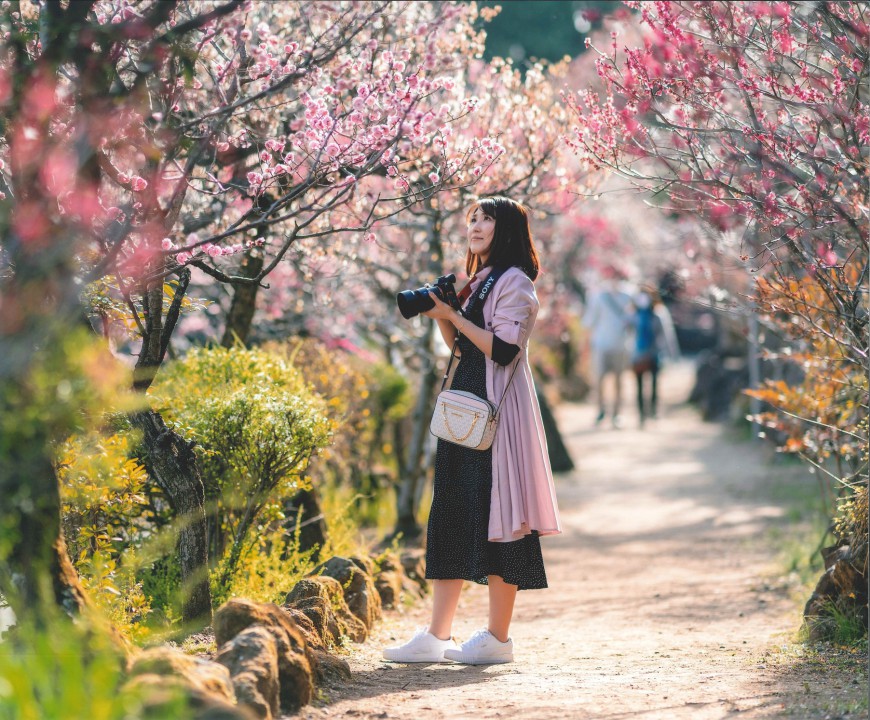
(441, 311)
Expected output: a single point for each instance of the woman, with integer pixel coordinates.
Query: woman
(490, 507)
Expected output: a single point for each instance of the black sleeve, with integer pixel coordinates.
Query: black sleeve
(503, 352)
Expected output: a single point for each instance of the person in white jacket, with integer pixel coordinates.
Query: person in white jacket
(608, 318)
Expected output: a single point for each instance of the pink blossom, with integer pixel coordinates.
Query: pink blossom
(58, 173)
(167, 244)
(370, 237)
(138, 184)
(826, 254)
(255, 178)
(182, 257)
(434, 178)
(214, 251)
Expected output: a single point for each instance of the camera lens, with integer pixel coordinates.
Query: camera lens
(413, 302)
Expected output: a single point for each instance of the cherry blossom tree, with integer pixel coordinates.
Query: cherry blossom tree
(756, 116)
(513, 136)
(143, 139)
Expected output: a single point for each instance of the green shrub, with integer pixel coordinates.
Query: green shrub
(366, 400)
(64, 670)
(257, 423)
(271, 567)
(103, 501)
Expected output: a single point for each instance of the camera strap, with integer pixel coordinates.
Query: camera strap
(477, 300)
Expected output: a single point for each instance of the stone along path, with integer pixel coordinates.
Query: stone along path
(659, 603)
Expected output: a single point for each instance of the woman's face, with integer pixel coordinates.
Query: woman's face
(481, 228)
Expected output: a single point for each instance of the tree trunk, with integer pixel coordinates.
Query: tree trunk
(413, 473)
(216, 538)
(244, 303)
(36, 570)
(560, 460)
(304, 508)
(170, 460)
(172, 465)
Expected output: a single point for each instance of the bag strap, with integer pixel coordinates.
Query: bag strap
(506, 387)
(478, 298)
(510, 380)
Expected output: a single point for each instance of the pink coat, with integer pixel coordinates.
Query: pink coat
(523, 494)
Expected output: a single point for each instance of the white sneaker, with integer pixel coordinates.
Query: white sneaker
(482, 648)
(423, 647)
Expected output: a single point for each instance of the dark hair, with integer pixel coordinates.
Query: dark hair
(512, 244)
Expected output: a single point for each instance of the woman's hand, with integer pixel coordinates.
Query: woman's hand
(441, 311)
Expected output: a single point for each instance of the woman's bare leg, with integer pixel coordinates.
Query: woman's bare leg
(445, 598)
(501, 606)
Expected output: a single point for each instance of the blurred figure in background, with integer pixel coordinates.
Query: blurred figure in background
(654, 337)
(608, 317)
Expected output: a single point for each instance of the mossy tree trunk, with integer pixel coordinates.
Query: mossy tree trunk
(169, 459)
(171, 463)
(35, 568)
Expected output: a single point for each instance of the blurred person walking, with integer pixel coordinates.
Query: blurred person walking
(608, 317)
(654, 336)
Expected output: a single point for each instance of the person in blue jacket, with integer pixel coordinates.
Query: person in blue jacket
(654, 337)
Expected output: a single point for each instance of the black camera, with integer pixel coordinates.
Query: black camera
(413, 302)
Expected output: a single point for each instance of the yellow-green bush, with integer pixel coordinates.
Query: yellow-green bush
(365, 400)
(257, 417)
(68, 670)
(102, 493)
(257, 423)
(103, 504)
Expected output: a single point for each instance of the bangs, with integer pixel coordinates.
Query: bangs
(486, 205)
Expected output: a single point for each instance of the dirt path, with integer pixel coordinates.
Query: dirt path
(661, 600)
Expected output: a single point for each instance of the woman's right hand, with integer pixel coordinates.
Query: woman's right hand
(441, 311)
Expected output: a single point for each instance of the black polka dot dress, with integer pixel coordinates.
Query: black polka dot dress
(456, 540)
